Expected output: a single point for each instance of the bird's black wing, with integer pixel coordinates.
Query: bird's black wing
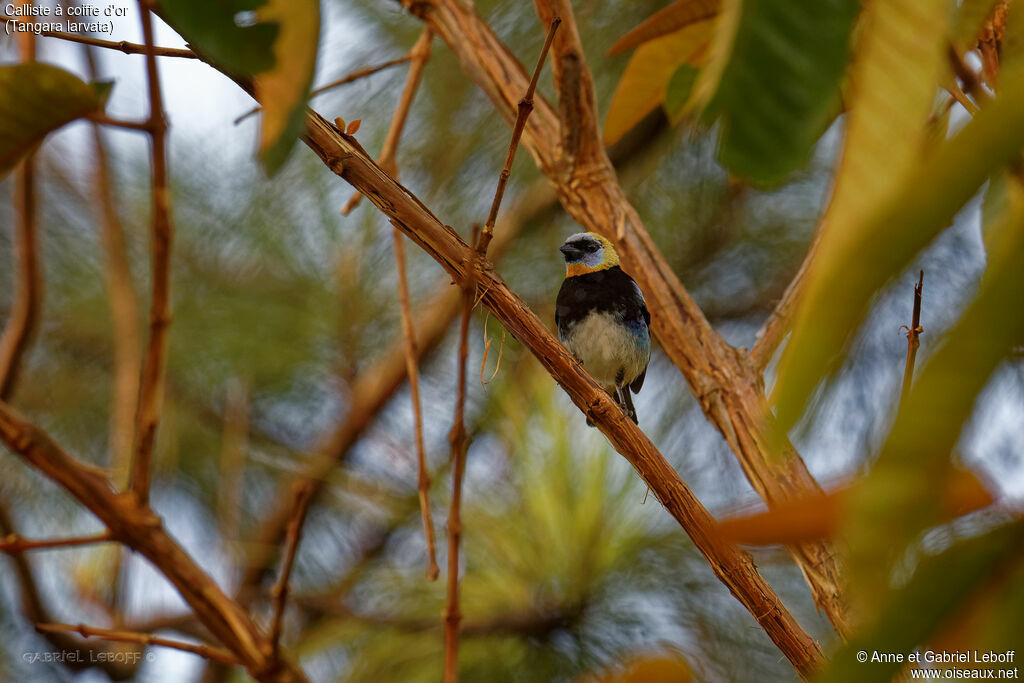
(638, 383)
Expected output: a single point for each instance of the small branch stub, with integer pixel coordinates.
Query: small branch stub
(913, 341)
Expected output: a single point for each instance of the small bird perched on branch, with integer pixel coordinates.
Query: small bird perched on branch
(602, 318)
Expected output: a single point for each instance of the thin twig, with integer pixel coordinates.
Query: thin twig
(153, 375)
(354, 76)
(459, 440)
(458, 437)
(971, 81)
(961, 97)
(412, 369)
(28, 288)
(279, 591)
(523, 113)
(99, 117)
(124, 307)
(913, 342)
(120, 45)
(34, 609)
(205, 651)
(419, 56)
(13, 543)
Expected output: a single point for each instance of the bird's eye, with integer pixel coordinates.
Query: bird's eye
(591, 247)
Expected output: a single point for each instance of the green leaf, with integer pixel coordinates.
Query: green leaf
(102, 90)
(35, 99)
(644, 82)
(273, 41)
(780, 85)
(939, 587)
(221, 31)
(679, 88)
(843, 278)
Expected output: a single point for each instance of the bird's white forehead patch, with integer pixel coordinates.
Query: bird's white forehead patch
(585, 236)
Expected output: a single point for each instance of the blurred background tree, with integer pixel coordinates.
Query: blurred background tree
(285, 321)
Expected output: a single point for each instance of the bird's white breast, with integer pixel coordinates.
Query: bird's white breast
(604, 346)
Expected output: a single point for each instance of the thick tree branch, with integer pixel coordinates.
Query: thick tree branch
(139, 528)
(733, 567)
(567, 147)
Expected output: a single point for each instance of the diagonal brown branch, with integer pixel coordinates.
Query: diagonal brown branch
(139, 528)
(566, 146)
(733, 567)
(153, 374)
(206, 651)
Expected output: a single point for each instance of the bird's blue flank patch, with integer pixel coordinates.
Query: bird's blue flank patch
(638, 329)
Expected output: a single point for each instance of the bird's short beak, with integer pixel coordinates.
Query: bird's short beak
(571, 253)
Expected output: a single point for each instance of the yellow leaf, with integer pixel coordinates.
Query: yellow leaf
(642, 86)
(678, 15)
(283, 89)
(820, 515)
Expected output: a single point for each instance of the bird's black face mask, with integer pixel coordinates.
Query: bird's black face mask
(571, 253)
